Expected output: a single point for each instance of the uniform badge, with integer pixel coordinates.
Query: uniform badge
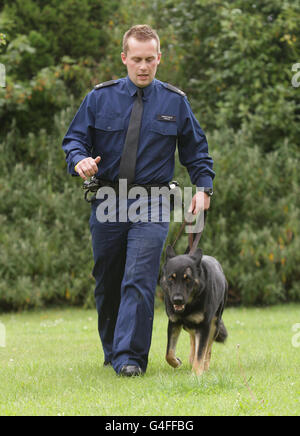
(166, 117)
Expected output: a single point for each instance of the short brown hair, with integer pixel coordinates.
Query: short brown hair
(141, 32)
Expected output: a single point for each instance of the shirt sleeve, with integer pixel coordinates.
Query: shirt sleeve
(77, 144)
(193, 149)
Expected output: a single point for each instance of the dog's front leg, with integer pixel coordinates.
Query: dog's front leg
(201, 343)
(173, 335)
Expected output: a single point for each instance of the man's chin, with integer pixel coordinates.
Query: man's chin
(142, 83)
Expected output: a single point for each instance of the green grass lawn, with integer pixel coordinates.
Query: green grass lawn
(52, 365)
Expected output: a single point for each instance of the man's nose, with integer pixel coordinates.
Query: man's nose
(143, 66)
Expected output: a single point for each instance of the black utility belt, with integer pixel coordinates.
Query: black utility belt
(116, 187)
(96, 183)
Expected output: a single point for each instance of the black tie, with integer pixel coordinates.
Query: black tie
(128, 159)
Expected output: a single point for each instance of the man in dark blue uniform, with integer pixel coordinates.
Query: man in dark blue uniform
(127, 253)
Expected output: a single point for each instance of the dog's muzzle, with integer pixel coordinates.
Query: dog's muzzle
(178, 303)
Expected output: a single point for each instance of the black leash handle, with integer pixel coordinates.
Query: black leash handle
(193, 240)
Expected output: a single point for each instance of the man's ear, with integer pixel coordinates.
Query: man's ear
(158, 58)
(197, 256)
(124, 58)
(170, 252)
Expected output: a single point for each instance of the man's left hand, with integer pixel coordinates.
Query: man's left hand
(200, 201)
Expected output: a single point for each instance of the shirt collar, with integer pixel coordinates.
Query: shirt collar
(132, 88)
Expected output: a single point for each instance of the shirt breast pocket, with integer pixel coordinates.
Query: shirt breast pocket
(163, 137)
(109, 135)
(165, 128)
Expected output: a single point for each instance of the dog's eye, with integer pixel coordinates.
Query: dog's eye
(187, 279)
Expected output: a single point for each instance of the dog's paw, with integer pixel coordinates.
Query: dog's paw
(173, 361)
(197, 372)
(179, 363)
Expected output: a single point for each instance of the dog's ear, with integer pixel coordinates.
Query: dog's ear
(162, 282)
(197, 256)
(170, 252)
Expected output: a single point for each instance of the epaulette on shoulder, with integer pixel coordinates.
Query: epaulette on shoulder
(174, 89)
(105, 84)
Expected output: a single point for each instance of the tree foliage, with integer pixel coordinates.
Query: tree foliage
(237, 64)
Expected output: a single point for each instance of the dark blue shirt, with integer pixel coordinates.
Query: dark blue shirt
(99, 129)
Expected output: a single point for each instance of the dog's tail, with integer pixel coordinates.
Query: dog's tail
(222, 333)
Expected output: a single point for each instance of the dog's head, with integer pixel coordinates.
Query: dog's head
(180, 278)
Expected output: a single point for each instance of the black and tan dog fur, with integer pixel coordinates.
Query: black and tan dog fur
(195, 291)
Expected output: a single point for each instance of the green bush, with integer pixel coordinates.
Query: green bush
(45, 254)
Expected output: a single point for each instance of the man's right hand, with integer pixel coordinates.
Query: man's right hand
(87, 167)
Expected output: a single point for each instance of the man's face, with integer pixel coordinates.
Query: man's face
(141, 60)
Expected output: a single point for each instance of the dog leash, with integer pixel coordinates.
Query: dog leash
(193, 242)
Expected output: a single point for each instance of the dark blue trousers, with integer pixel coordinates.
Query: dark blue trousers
(126, 267)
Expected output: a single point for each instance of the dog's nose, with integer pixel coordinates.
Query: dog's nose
(178, 299)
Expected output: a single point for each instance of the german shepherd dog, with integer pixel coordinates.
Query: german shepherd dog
(195, 292)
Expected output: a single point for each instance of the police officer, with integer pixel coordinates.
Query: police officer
(99, 142)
